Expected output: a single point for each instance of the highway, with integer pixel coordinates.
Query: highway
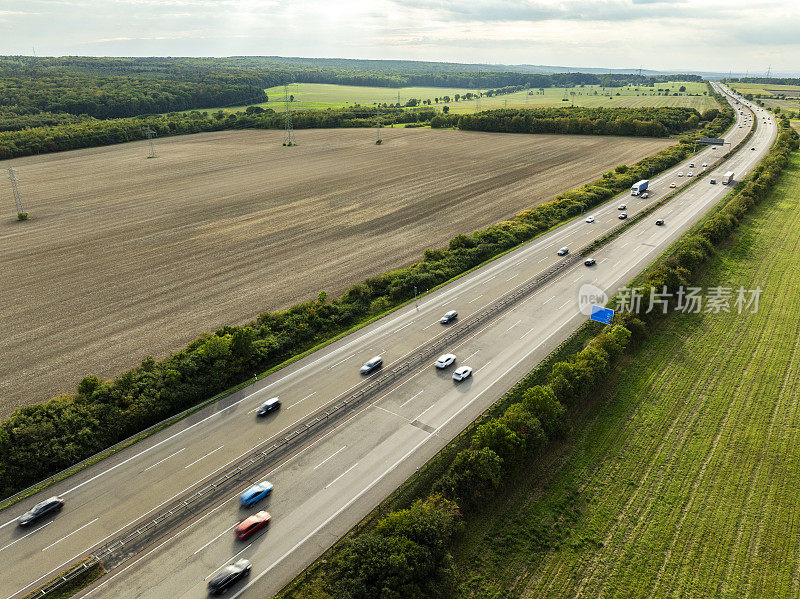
(322, 490)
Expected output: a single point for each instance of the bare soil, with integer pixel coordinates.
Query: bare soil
(125, 256)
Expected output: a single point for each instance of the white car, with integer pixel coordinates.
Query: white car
(705, 164)
(622, 207)
(645, 195)
(461, 373)
(690, 174)
(445, 360)
(680, 174)
(589, 219)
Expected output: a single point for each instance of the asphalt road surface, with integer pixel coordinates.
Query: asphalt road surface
(323, 489)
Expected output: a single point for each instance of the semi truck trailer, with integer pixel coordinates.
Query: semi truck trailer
(727, 177)
(639, 187)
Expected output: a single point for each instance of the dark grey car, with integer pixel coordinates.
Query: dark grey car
(40, 510)
(229, 576)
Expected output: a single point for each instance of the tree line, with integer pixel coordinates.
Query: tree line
(393, 559)
(95, 132)
(107, 88)
(39, 440)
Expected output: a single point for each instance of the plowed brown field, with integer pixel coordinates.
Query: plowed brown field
(125, 256)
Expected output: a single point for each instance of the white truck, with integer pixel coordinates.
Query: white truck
(639, 187)
(727, 177)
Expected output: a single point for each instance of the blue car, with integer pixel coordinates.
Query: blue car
(256, 493)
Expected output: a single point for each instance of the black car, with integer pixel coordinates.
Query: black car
(589, 262)
(269, 406)
(40, 510)
(449, 316)
(229, 576)
(660, 222)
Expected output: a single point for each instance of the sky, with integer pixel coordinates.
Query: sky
(699, 35)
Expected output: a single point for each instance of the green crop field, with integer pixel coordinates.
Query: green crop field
(764, 89)
(321, 96)
(681, 479)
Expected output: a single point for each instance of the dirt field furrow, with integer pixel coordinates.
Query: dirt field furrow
(125, 256)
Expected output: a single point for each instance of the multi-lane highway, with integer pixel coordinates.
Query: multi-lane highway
(332, 482)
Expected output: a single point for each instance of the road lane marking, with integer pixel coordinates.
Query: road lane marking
(526, 334)
(164, 460)
(425, 411)
(302, 400)
(512, 277)
(475, 299)
(402, 327)
(578, 279)
(341, 361)
(227, 561)
(341, 475)
(513, 325)
(564, 304)
(616, 263)
(430, 325)
(330, 456)
(70, 534)
(394, 465)
(204, 457)
(469, 356)
(412, 397)
(215, 538)
(25, 536)
(484, 366)
(543, 259)
(548, 300)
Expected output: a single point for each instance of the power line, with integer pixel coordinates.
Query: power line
(288, 136)
(150, 134)
(12, 176)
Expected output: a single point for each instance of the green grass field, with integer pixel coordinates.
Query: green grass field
(764, 89)
(681, 477)
(321, 96)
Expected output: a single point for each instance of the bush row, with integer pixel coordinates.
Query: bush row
(93, 132)
(500, 445)
(42, 439)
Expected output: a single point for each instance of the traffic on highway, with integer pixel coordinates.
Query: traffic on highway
(311, 497)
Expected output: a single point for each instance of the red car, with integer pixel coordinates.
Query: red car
(252, 524)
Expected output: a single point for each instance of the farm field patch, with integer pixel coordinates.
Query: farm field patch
(322, 96)
(125, 256)
(681, 478)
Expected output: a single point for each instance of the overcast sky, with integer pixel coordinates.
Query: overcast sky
(714, 35)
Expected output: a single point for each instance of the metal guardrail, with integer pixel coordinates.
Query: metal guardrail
(148, 530)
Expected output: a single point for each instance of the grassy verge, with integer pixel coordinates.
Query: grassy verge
(680, 476)
(71, 588)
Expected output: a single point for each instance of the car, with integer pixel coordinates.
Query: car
(622, 207)
(713, 182)
(256, 493)
(589, 219)
(713, 147)
(645, 195)
(691, 165)
(660, 222)
(752, 148)
(690, 174)
(269, 406)
(672, 185)
(461, 373)
(250, 526)
(623, 216)
(449, 316)
(740, 126)
(563, 251)
(680, 174)
(371, 365)
(589, 262)
(704, 165)
(229, 576)
(40, 510)
(445, 360)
